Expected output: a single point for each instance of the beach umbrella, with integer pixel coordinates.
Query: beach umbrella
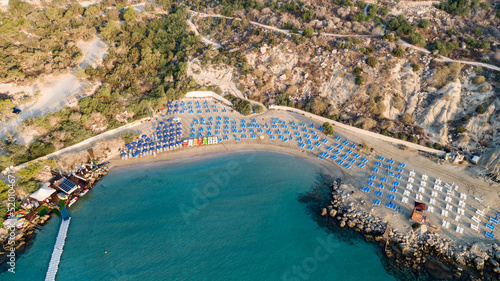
(165, 145)
(176, 105)
(178, 142)
(160, 137)
(169, 102)
(169, 120)
(164, 141)
(179, 123)
(151, 148)
(179, 133)
(172, 130)
(171, 139)
(134, 143)
(152, 143)
(148, 139)
(158, 146)
(145, 150)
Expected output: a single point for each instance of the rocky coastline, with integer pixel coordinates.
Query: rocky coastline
(24, 236)
(421, 250)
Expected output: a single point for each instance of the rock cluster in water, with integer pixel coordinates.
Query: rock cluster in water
(419, 249)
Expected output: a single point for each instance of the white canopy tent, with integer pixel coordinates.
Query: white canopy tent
(43, 193)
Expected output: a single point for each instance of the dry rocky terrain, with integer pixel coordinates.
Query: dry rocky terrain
(451, 104)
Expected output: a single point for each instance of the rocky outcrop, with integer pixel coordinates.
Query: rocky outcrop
(419, 248)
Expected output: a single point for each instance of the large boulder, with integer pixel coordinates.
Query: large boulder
(422, 229)
(478, 250)
(479, 263)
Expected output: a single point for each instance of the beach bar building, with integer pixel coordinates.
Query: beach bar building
(418, 212)
(44, 194)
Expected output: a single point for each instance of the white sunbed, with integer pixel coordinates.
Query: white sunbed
(447, 199)
(444, 213)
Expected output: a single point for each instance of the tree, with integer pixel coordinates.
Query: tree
(327, 128)
(480, 109)
(113, 14)
(53, 14)
(416, 67)
(257, 108)
(398, 52)
(308, 32)
(317, 105)
(129, 15)
(372, 61)
(357, 71)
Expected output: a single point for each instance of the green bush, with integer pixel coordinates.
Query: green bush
(415, 67)
(308, 32)
(360, 80)
(417, 39)
(372, 61)
(425, 23)
(480, 109)
(257, 108)
(398, 52)
(400, 25)
(357, 71)
(460, 130)
(327, 128)
(444, 48)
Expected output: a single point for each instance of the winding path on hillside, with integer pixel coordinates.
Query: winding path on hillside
(286, 31)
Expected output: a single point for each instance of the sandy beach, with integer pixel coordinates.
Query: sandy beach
(354, 178)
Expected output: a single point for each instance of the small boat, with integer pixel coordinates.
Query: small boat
(84, 192)
(72, 201)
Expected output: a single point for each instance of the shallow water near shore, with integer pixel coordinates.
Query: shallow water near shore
(230, 217)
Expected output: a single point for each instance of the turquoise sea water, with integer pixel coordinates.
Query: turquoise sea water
(231, 217)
